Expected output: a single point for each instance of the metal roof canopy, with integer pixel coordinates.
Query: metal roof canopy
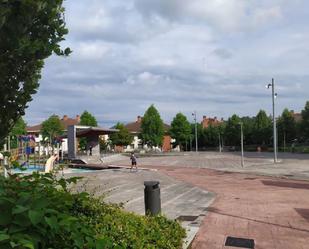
(86, 131)
(90, 131)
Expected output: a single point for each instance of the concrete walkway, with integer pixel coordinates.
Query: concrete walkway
(179, 200)
(291, 165)
(262, 201)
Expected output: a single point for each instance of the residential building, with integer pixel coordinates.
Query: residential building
(65, 121)
(207, 121)
(135, 129)
(297, 116)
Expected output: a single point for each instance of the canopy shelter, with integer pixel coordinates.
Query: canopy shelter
(91, 133)
(94, 131)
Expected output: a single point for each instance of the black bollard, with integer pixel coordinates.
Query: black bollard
(152, 197)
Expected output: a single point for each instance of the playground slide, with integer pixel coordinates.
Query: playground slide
(50, 163)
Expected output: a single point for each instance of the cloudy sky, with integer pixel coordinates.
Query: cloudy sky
(212, 56)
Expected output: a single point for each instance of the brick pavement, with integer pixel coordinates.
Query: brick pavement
(272, 211)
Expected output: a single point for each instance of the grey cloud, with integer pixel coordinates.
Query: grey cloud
(223, 53)
(127, 56)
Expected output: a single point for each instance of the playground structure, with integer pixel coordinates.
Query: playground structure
(31, 151)
(34, 152)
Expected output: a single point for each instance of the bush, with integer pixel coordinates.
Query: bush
(38, 211)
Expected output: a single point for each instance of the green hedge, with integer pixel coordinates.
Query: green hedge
(38, 211)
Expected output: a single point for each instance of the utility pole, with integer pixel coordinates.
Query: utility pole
(220, 148)
(274, 95)
(242, 144)
(196, 144)
(9, 143)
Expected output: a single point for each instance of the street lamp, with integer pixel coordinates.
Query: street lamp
(274, 95)
(242, 143)
(196, 146)
(220, 148)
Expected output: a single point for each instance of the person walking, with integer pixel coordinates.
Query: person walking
(133, 161)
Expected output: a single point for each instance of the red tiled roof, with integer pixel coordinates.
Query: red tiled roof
(68, 122)
(297, 117)
(210, 121)
(135, 127)
(34, 129)
(65, 121)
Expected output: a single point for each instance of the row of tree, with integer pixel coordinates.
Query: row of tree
(257, 130)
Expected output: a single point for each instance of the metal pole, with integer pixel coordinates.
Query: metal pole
(242, 145)
(5, 146)
(62, 151)
(196, 144)
(220, 150)
(9, 143)
(284, 141)
(39, 145)
(6, 166)
(274, 121)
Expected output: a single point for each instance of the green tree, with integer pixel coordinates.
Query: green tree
(262, 132)
(232, 131)
(305, 121)
(248, 125)
(286, 127)
(201, 141)
(122, 137)
(211, 136)
(51, 128)
(180, 130)
(30, 31)
(152, 127)
(18, 129)
(86, 119)
(212, 133)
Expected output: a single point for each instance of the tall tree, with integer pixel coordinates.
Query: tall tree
(122, 137)
(86, 119)
(305, 121)
(232, 131)
(152, 127)
(51, 128)
(286, 127)
(248, 125)
(18, 129)
(262, 132)
(211, 136)
(180, 130)
(201, 141)
(30, 31)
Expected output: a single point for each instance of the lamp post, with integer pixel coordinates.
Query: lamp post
(274, 95)
(220, 148)
(196, 145)
(242, 144)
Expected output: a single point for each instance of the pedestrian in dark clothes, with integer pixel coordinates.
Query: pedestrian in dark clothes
(133, 161)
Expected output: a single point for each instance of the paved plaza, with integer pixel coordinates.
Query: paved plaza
(272, 211)
(290, 165)
(179, 200)
(265, 202)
